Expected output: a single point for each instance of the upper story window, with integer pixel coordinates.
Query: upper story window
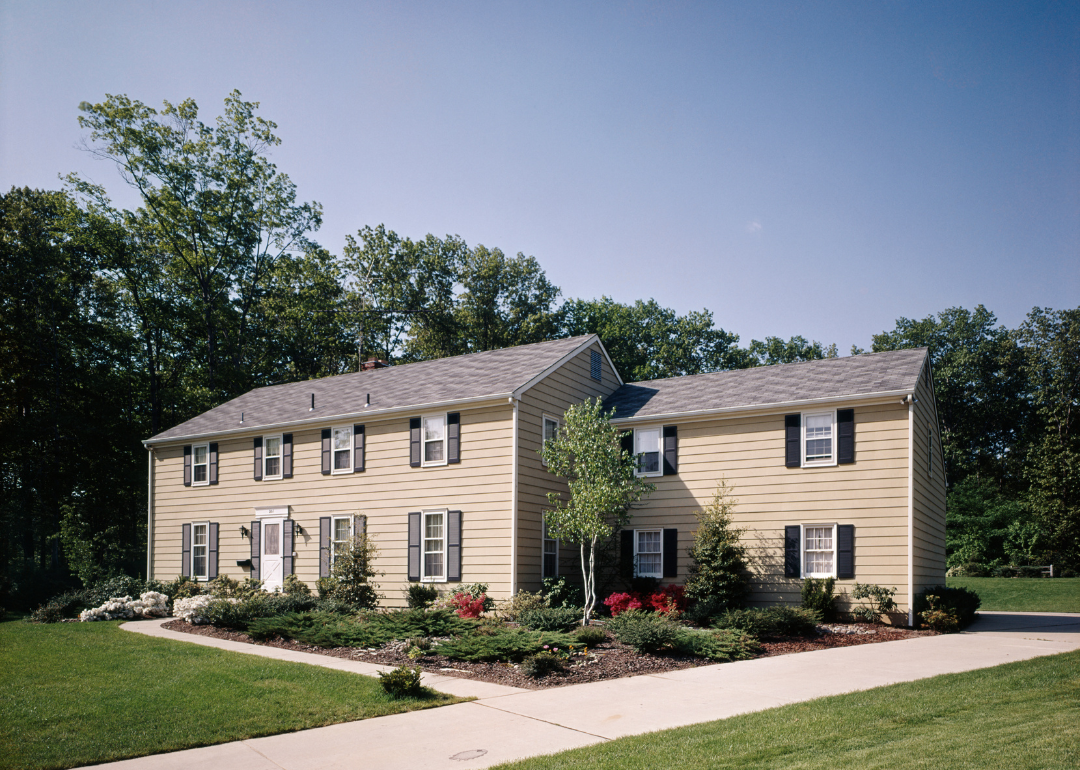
(434, 439)
(200, 464)
(551, 430)
(596, 370)
(343, 448)
(819, 551)
(272, 457)
(200, 544)
(819, 438)
(647, 450)
(434, 546)
(648, 556)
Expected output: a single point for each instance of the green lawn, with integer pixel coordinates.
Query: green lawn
(1017, 716)
(79, 693)
(1024, 594)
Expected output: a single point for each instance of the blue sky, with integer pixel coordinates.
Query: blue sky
(797, 168)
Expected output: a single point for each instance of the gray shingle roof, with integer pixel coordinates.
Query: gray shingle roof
(891, 371)
(445, 380)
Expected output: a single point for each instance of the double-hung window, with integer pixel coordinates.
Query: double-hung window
(551, 430)
(819, 438)
(200, 465)
(340, 534)
(551, 554)
(272, 457)
(648, 556)
(819, 551)
(342, 448)
(434, 546)
(434, 439)
(200, 545)
(647, 450)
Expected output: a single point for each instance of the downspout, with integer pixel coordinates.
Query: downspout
(514, 502)
(150, 513)
(911, 510)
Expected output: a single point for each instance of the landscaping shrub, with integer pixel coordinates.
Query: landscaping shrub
(401, 682)
(325, 587)
(193, 608)
(1029, 572)
(512, 608)
(182, 588)
(590, 636)
(403, 624)
(880, 600)
(541, 664)
(560, 593)
(472, 592)
(353, 573)
(67, 605)
(551, 618)
(467, 606)
(971, 569)
(419, 596)
(618, 603)
(99, 592)
(818, 595)
(961, 601)
(150, 604)
(506, 644)
(645, 631)
(329, 604)
(722, 645)
(321, 629)
(294, 586)
(718, 575)
(238, 613)
(771, 621)
(670, 599)
(938, 617)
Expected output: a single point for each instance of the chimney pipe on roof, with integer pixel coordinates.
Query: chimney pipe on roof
(312, 403)
(374, 363)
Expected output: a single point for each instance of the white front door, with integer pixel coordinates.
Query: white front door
(271, 552)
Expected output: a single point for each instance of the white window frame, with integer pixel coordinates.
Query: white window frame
(206, 550)
(544, 420)
(266, 457)
(333, 531)
(659, 452)
(803, 549)
(194, 449)
(637, 542)
(544, 540)
(832, 440)
(334, 470)
(424, 462)
(445, 514)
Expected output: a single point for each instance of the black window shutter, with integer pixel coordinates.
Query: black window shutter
(326, 451)
(627, 440)
(414, 443)
(671, 553)
(212, 551)
(414, 544)
(185, 550)
(324, 546)
(187, 465)
(258, 459)
(845, 436)
(453, 437)
(453, 546)
(286, 456)
(671, 451)
(287, 540)
(359, 441)
(792, 545)
(359, 524)
(845, 551)
(212, 471)
(792, 439)
(256, 549)
(626, 553)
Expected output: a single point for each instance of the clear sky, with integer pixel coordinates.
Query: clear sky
(797, 168)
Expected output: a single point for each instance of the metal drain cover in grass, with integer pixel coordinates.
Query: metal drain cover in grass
(461, 756)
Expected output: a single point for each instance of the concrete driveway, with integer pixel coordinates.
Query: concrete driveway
(507, 723)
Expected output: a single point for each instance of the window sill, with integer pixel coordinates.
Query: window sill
(433, 465)
(347, 472)
(200, 483)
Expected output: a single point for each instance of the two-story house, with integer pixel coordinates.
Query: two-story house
(835, 465)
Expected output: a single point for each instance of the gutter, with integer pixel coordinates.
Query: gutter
(911, 511)
(150, 514)
(514, 503)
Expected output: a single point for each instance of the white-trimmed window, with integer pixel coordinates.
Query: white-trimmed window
(819, 550)
(647, 450)
(929, 452)
(272, 457)
(340, 534)
(434, 439)
(433, 563)
(648, 553)
(200, 550)
(342, 447)
(551, 430)
(819, 438)
(550, 567)
(200, 465)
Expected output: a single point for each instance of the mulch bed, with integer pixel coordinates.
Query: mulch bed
(610, 660)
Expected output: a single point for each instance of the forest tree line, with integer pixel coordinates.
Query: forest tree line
(117, 324)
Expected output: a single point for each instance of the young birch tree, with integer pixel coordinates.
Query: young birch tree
(588, 453)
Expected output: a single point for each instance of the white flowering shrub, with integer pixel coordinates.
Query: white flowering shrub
(191, 609)
(150, 605)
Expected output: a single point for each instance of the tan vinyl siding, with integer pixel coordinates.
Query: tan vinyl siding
(569, 384)
(480, 486)
(929, 493)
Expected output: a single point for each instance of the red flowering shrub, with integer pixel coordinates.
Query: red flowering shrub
(466, 606)
(622, 602)
(668, 599)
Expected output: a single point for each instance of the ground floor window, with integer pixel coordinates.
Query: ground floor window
(340, 534)
(648, 553)
(434, 546)
(551, 554)
(819, 551)
(200, 546)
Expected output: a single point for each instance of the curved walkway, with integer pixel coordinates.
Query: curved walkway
(507, 723)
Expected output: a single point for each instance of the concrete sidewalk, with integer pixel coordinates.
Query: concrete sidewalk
(507, 723)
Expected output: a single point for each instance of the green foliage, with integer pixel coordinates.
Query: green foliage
(320, 629)
(938, 617)
(779, 620)
(558, 592)
(419, 596)
(403, 624)
(983, 525)
(541, 664)
(721, 645)
(474, 591)
(550, 618)
(65, 606)
(718, 577)
(777, 350)
(294, 586)
(509, 644)
(402, 682)
(225, 587)
(961, 602)
(353, 570)
(240, 614)
(646, 631)
(590, 636)
(512, 608)
(818, 596)
(325, 587)
(880, 601)
(183, 588)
